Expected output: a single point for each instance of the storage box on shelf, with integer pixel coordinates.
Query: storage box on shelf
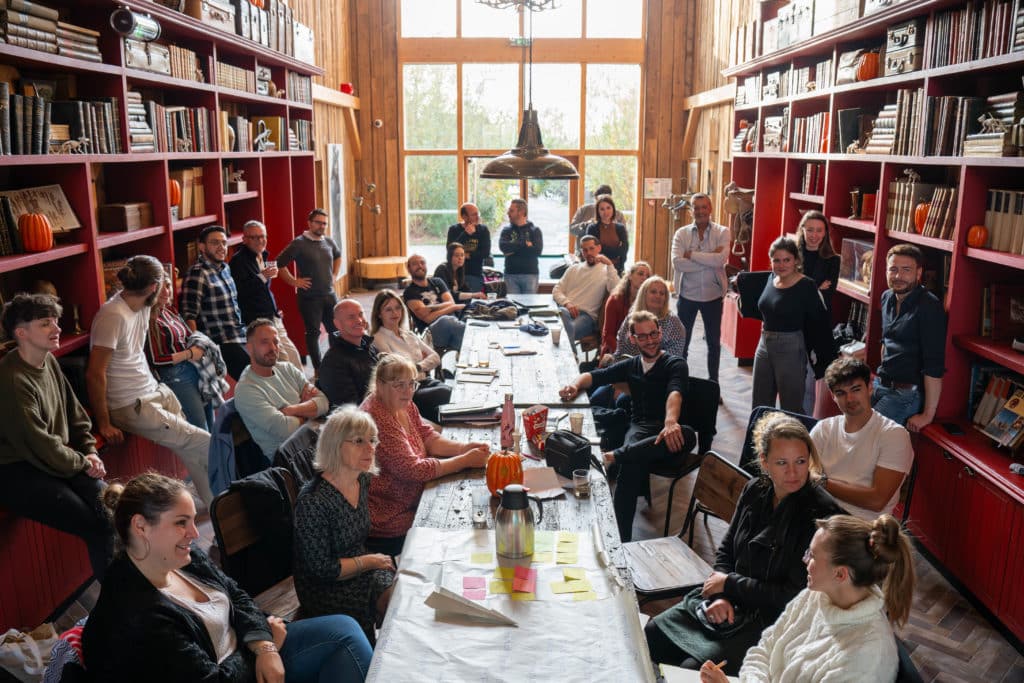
(110, 153)
(970, 226)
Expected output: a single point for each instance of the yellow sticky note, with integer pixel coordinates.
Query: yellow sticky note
(505, 573)
(584, 597)
(568, 537)
(542, 558)
(523, 596)
(481, 558)
(568, 558)
(543, 537)
(499, 587)
(574, 574)
(559, 587)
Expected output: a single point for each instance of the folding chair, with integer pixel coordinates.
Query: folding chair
(716, 491)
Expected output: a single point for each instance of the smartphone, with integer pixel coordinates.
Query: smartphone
(953, 428)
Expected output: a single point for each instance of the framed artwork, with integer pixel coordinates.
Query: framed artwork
(336, 199)
(693, 175)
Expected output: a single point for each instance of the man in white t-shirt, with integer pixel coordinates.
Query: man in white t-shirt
(865, 455)
(581, 292)
(124, 394)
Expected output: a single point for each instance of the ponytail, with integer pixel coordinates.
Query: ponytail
(876, 553)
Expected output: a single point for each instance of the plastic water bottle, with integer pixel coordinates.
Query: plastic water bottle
(508, 423)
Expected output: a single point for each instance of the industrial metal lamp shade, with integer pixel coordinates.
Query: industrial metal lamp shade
(529, 158)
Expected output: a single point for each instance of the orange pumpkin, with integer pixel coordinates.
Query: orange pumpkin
(503, 468)
(175, 189)
(36, 232)
(977, 236)
(257, 3)
(867, 67)
(921, 215)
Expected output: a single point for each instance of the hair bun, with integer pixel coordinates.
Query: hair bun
(884, 538)
(111, 496)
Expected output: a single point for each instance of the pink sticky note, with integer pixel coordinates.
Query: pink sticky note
(474, 593)
(473, 582)
(525, 580)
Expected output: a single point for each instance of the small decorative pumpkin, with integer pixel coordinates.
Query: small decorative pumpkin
(257, 3)
(503, 468)
(867, 67)
(175, 189)
(977, 236)
(921, 215)
(36, 232)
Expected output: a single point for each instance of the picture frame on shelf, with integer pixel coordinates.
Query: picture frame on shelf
(49, 200)
(855, 264)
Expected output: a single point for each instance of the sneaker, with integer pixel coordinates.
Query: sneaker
(1018, 344)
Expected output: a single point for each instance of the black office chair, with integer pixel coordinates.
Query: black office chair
(700, 412)
(748, 456)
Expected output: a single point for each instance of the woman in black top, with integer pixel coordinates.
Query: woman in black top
(795, 322)
(758, 567)
(613, 236)
(821, 264)
(166, 613)
(453, 273)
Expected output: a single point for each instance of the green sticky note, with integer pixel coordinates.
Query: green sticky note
(574, 574)
(499, 587)
(523, 596)
(542, 558)
(584, 597)
(481, 558)
(505, 573)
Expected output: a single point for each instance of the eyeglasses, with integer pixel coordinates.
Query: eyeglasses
(359, 441)
(649, 335)
(319, 222)
(403, 384)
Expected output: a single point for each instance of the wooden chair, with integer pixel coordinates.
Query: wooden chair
(235, 534)
(716, 491)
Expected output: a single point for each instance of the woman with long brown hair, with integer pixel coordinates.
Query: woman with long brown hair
(613, 236)
(616, 308)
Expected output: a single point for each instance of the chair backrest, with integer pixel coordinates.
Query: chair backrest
(247, 547)
(700, 410)
(906, 672)
(233, 452)
(718, 486)
(297, 453)
(748, 456)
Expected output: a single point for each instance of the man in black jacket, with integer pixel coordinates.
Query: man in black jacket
(475, 238)
(656, 382)
(345, 370)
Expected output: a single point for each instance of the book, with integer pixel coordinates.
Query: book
(5, 118)
(12, 18)
(29, 7)
(11, 219)
(1007, 426)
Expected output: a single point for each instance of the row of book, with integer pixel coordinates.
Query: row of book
(179, 129)
(812, 178)
(185, 64)
(36, 27)
(811, 134)
(906, 195)
(896, 129)
(300, 88)
(29, 124)
(975, 31)
(302, 136)
(10, 236)
(1004, 218)
(235, 77)
(1000, 411)
(193, 191)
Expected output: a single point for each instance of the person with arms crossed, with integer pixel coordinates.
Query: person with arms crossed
(581, 292)
(49, 469)
(522, 243)
(274, 398)
(318, 260)
(909, 379)
(475, 238)
(124, 394)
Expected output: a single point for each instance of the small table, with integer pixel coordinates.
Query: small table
(381, 268)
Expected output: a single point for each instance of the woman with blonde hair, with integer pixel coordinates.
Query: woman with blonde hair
(334, 573)
(860, 582)
(653, 296)
(389, 325)
(758, 567)
(410, 453)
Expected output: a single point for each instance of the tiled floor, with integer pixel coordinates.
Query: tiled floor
(949, 641)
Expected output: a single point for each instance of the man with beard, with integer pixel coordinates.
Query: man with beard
(274, 398)
(865, 455)
(351, 358)
(656, 382)
(909, 379)
(209, 299)
(522, 243)
(318, 260)
(124, 394)
(581, 292)
(431, 305)
(475, 238)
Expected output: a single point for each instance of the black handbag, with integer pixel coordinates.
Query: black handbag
(565, 451)
(695, 603)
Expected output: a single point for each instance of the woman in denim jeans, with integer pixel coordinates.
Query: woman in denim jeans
(170, 355)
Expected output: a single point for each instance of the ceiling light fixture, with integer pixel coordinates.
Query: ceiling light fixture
(529, 158)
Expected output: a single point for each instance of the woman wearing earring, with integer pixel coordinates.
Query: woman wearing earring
(758, 567)
(167, 614)
(821, 264)
(613, 236)
(794, 322)
(860, 582)
(334, 574)
(653, 296)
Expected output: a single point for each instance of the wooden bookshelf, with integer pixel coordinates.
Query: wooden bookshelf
(47, 566)
(963, 483)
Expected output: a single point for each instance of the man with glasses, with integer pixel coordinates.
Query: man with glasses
(253, 272)
(318, 261)
(351, 358)
(656, 382)
(273, 398)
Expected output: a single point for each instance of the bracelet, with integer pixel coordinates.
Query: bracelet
(264, 648)
(359, 564)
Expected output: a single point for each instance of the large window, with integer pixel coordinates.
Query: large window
(464, 89)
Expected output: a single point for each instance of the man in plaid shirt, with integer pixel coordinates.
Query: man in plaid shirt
(209, 300)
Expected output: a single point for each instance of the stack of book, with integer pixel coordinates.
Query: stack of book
(941, 214)
(29, 25)
(999, 132)
(883, 131)
(179, 129)
(456, 413)
(811, 134)
(236, 78)
(185, 64)
(1018, 30)
(975, 31)
(823, 74)
(140, 133)
(77, 42)
(1004, 218)
(303, 131)
(1000, 412)
(300, 88)
(949, 119)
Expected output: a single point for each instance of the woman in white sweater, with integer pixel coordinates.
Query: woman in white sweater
(389, 325)
(840, 627)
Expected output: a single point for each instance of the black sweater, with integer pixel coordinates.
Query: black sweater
(649, 390)
(345, 370)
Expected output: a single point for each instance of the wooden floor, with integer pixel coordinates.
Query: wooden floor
(949, 640)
